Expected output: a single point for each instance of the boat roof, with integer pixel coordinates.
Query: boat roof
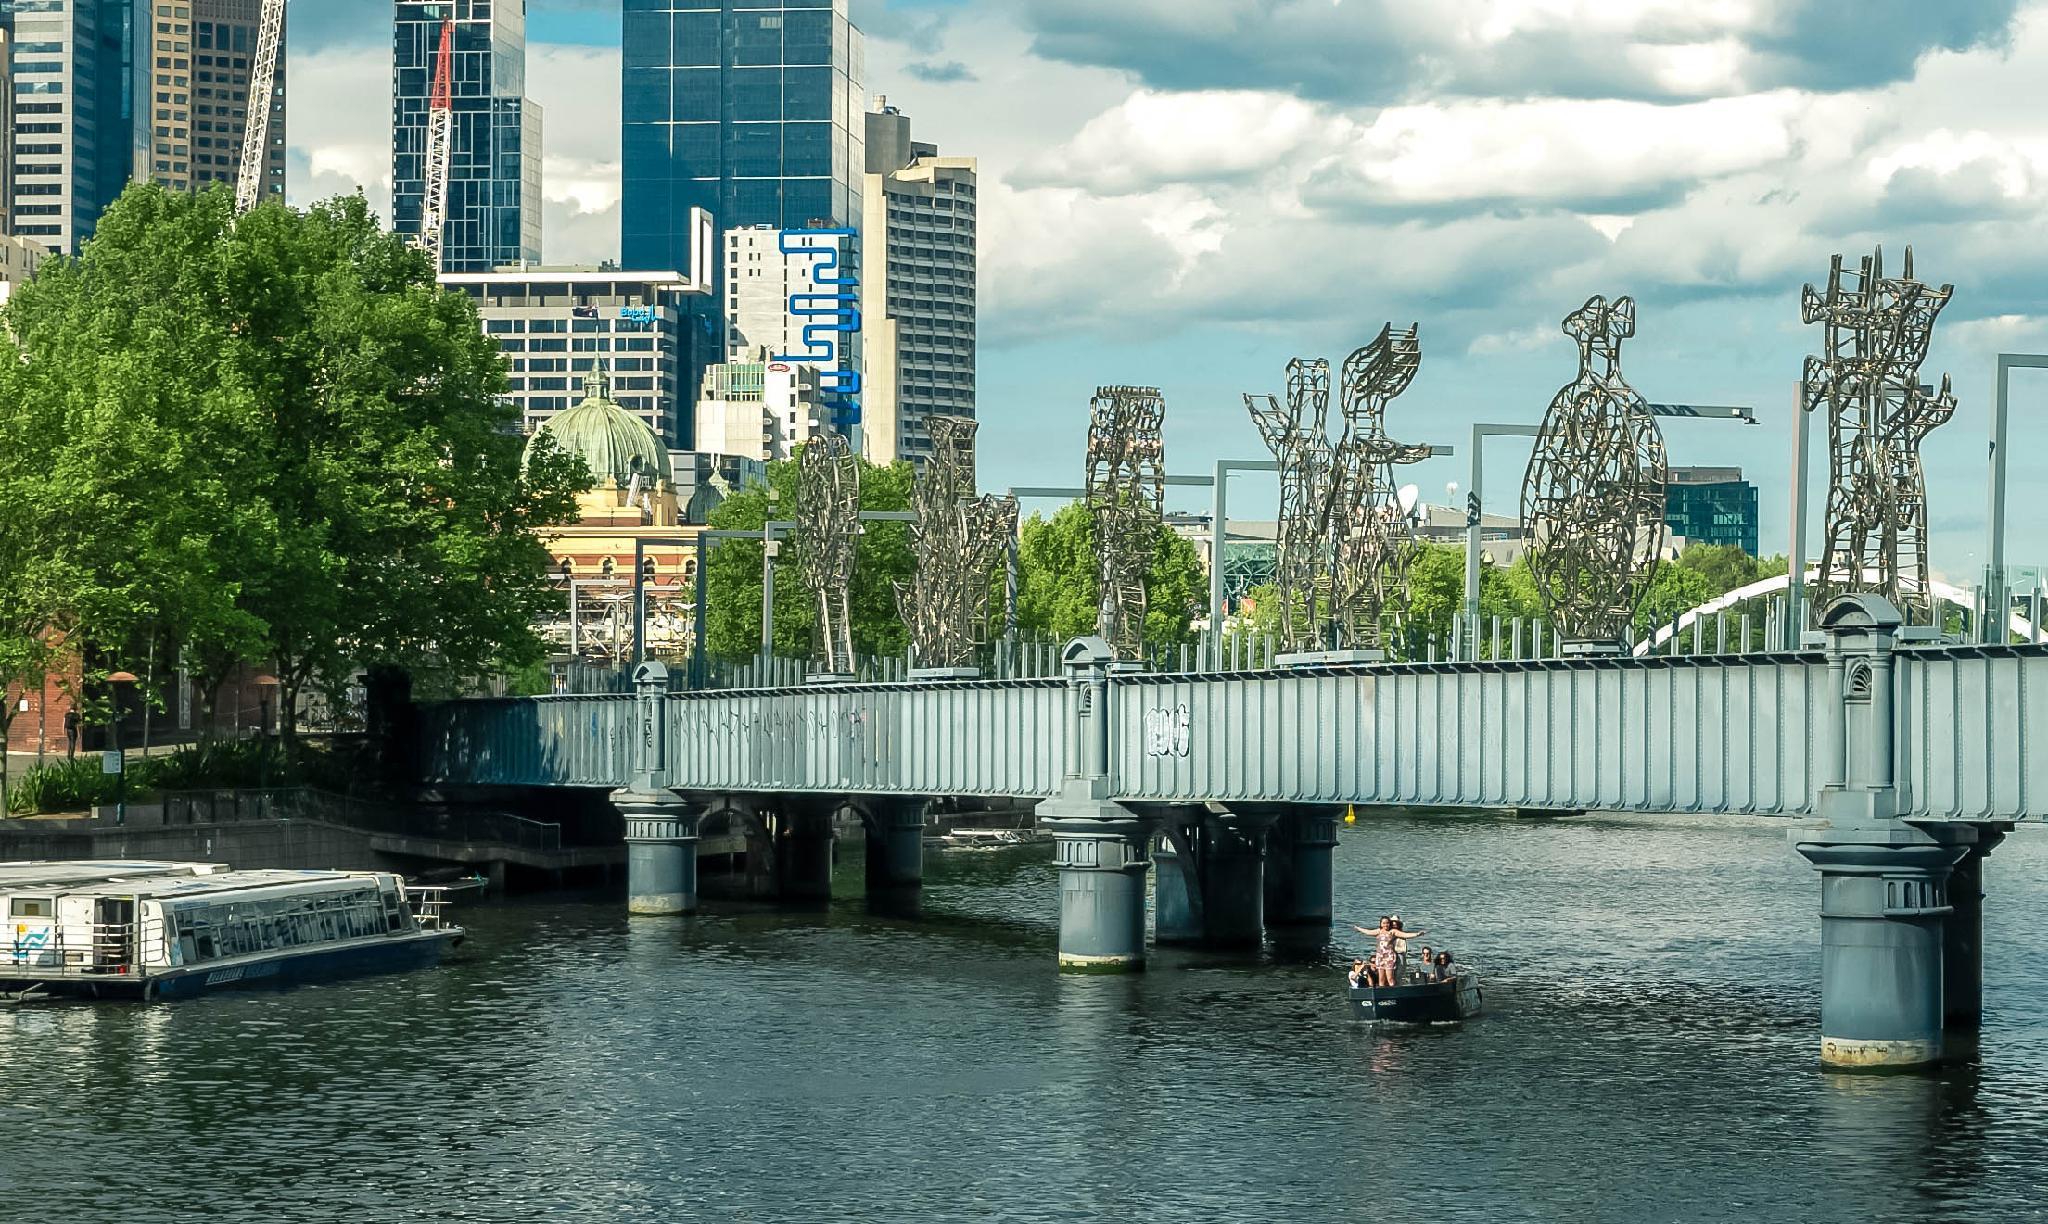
(65, 873)
(273, 882)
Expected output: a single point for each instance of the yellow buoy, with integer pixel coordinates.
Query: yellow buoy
(1350, 814)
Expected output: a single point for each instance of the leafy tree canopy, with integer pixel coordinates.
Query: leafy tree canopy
(1056, 588)
(273, 439)
(883, 558)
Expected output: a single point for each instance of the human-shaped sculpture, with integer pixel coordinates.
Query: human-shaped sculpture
(1298, 437)
(1126, 502)
(1875, 333)
(1593, 498)
(1371, 536)
(827, 528)
(958, 539)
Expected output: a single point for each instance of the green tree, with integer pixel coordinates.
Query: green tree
(275, 439)
(1056, 586)
(882, 558)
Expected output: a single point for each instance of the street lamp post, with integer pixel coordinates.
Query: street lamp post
(119, 756)
(1994, 578)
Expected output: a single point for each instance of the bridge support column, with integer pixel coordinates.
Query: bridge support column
(895, 845)
(1962, 942)
(1233, 882)
(1101, 856)
(661, 851)
(1881, 909)
(1099, 846)
(803, 852)
(1300, 881)
(1884, 884)
(1177, 884)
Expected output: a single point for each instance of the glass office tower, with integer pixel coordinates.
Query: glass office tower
(750, 109)
(494, 204)
(73, 70)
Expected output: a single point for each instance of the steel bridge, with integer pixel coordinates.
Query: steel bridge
(1230, 782)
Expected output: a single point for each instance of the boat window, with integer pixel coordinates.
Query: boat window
(30, 907)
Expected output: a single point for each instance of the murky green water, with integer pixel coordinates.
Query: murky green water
(1651, 1055)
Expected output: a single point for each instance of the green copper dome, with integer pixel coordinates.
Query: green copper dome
(615, 444)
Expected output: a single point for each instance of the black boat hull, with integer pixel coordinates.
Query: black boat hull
(1420, 1002)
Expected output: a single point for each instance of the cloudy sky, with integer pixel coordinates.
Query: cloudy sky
(1188, 192)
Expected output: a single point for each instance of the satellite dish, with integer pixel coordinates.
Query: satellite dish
(1407, 497)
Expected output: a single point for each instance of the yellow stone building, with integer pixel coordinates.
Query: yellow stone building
(632, 499)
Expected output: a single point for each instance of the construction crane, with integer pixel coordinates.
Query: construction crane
(262, 85)
(440, 121)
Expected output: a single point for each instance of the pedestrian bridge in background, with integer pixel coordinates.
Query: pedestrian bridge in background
(1712, 733)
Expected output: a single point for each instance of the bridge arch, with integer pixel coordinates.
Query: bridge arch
(1948, 592)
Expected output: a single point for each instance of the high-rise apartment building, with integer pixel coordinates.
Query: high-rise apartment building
(747, 108)
(494, 204)
(76, 70)
(202, 55)
(917, 288)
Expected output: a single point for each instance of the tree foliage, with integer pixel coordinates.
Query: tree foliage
(883, 558)
(1056, 588)
(273, 439)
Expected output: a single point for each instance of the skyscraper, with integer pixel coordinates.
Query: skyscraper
(1709, 505)
(917, 288)
(747, 108)
(494, 204)
(74, 127)
(197, 79)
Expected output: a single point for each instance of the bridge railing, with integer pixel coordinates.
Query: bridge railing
(1630, 734)
(1965, 718)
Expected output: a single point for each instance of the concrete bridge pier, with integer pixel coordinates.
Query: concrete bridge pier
(1177, 882)
(803, 851)
(1962, 942)
(1300, 875)
(895, 854)
(1233, 866)
(1884, 883)
(661, 851)
(1100, 847)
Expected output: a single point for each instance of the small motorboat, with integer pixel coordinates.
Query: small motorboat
(1421, 1000)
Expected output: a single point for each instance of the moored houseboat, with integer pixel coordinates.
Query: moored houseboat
(110, 931)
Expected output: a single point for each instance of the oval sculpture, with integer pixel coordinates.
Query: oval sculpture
(1593, 498)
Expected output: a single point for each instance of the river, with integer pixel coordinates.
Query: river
(1651, 1054)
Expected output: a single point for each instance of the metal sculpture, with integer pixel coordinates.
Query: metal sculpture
(1126, 503)
(958, 539)
(1372, 539)
(1875, 333)
(827, 527)
(1299, 439)
(1593, 498)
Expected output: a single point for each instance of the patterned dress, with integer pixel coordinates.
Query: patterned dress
(1383, 953)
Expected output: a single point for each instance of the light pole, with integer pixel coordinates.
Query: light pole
(1994, 578)
(119, 756)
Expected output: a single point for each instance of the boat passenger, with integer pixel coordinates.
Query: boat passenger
(1444, 972)
(1360, 975)
(1426, 967)
(1384, 957)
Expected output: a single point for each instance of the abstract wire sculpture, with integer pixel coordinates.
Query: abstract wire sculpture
(1875, 333)
(1593, 498)
(1299, 439)
(958, 539)
(1343, 536)
(1126, 504)
(1373, 536)
(827, 528)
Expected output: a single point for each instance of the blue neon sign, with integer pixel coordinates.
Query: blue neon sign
(830, 311)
